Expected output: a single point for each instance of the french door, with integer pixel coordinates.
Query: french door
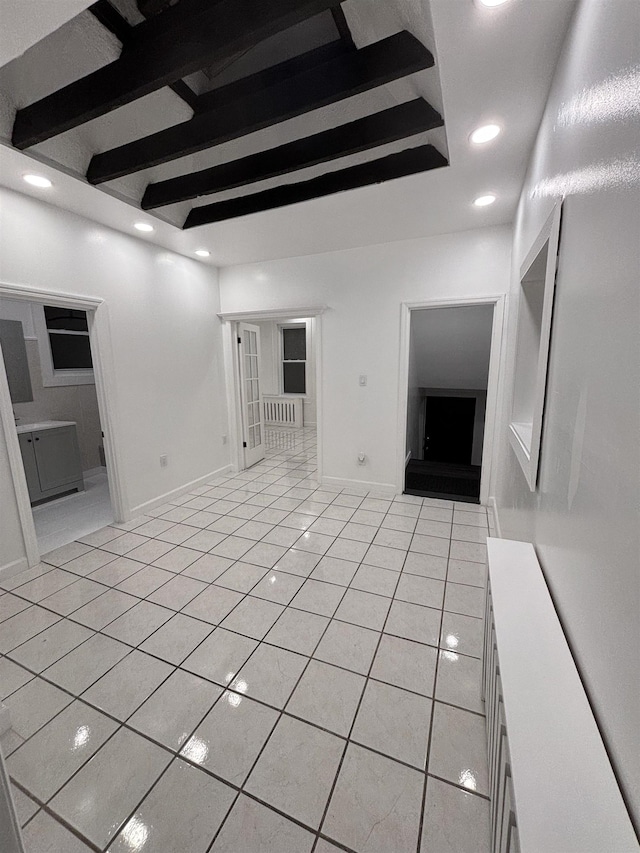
(250, 392)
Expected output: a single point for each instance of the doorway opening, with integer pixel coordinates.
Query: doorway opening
(451, 386)
(274, 358)
(53, 407)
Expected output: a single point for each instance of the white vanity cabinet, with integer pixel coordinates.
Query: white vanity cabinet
(51, 459)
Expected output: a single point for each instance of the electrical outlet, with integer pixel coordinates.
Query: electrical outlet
(164, 460)
(224, 439)
(362, 380)
(362, 459)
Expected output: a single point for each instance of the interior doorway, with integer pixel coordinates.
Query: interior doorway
(55, 416)
(450, 393)
(275, 360)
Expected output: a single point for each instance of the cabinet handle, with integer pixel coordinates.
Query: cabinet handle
(28, 441)
(36, 439)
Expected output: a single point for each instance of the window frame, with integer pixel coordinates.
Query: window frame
(281, 329)
(52, 377)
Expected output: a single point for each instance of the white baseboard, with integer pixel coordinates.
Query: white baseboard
(493, 506)
(92, 471)
(383, 488)
(140, 509)
(14, 568)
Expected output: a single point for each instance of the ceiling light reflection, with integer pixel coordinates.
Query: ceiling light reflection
(233, 699)
(197, 750)
(143, 226)
(452, 641)
(451, 656)
(135, 834)
(468, 780)
(81, 737)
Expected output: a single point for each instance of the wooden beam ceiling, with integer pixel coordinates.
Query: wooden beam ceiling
(346, 75)
(409, 162)
(380, 128)
(177, 42)
(112, 20)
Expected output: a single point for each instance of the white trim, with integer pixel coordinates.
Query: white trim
(272, 314)
(316, 343)
(497, 332)
(34, 294)
(104, 374)
(384, 488)
(529, 455)
(17, 473)
(11, 832)
(91, 472)
(14, 568)
(493, 506)
(141, 509)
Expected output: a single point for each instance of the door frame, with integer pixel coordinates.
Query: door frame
(230, 323)
(101, 355)
(490, 421)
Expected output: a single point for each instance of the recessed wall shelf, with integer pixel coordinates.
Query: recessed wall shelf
(535, 310)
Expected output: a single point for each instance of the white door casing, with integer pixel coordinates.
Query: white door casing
(250, 393)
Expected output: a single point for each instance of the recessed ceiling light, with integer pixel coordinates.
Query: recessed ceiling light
(485, 133)
(202, 253)
(143, 226)
(484, 200)
(37, 181)
(491, 3)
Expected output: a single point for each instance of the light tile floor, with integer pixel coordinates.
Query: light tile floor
(62, 520)
(260, 665)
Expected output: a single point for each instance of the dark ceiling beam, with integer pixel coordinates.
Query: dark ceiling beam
(342, 26)
(351, 74)
(110, 18)
(152, 7)
(409, 162)
(173, 46)
(380, 128)
(268, 77)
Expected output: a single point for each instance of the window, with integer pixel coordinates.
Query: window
(63, 344)
(68, 338)
(294, 359)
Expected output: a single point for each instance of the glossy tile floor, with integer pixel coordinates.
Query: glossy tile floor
(60, 521)
(260, 666)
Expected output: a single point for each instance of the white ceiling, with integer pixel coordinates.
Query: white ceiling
(451, 346)
(491, 65)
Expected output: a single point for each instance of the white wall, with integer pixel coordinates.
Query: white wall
(452, 346)
(584, 518)
(363, 289)
(168, 389)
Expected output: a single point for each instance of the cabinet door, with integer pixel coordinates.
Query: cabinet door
(57, 457)
(29, 462)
